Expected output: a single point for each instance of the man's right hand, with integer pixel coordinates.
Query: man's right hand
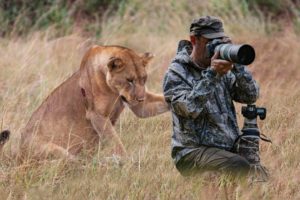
(219, 65)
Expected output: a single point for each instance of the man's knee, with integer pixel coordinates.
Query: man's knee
(239, 164)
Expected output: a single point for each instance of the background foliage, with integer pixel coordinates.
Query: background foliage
(23, 16)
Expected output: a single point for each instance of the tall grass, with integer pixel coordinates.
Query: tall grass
(31, 67)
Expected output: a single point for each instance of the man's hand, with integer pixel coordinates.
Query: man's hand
(220, 66)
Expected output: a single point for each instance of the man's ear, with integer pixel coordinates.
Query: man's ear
(193, 39)
(146, 58)
(115, 64)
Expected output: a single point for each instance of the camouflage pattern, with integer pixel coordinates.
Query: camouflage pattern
(248, 147)
(208, 27)
(202, 103)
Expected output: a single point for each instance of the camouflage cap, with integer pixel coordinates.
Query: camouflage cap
(208, 27)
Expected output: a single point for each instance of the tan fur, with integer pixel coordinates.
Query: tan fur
(83, 110)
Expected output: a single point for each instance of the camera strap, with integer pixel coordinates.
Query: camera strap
(255, 133)
(265, 138)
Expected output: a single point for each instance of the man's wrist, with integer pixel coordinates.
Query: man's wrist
(212, 73)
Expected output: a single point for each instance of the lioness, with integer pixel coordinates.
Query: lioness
(83, 109)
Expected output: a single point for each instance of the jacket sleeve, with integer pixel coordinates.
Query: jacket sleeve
(188, 98)
(243, 88)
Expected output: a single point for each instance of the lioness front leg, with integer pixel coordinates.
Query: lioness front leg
(39, 149)
(56, 151)
(104, 128)
(153, 104)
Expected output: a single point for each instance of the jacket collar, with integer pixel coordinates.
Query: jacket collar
(184, 51)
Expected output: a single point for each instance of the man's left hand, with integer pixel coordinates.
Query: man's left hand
(219, 65)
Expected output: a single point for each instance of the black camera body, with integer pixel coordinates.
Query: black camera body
(252, 112)
(241, 54)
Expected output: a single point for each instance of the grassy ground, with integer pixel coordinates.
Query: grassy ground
(31, 67)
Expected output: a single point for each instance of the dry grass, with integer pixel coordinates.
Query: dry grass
(32, 67)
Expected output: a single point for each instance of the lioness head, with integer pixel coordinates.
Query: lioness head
(123, 70)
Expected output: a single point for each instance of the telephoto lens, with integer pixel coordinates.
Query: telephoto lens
(241, 54)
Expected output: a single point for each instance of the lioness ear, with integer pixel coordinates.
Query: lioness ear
(115, 64)
(147, 57)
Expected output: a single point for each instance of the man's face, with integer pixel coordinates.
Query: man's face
(199, 44)
(202, 42)
(199, 48)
